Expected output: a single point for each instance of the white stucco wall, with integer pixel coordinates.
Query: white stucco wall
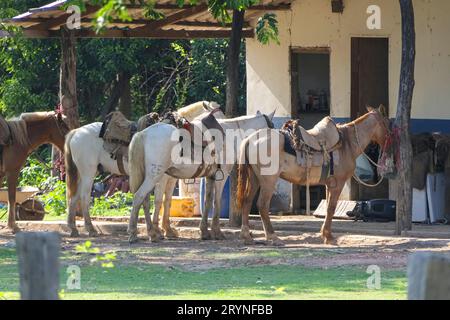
(310, 23)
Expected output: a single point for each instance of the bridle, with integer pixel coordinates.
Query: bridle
(58, 119)
(383, 150)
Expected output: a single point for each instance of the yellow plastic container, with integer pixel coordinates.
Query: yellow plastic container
(182, 207)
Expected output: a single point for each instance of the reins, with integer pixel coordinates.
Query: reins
(369, 159)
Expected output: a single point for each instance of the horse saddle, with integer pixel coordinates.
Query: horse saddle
(315, 147)
(118, 129)
(209, 122)
(324, 136)
(117, 132)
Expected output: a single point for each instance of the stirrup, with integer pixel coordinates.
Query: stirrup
(219, 175)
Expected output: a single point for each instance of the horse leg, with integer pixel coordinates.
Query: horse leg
(170, 232)
(247, 207)
(12, 184)
(158, 195)
(216, 233)
(139, 197)
(205, 235)
(148, 220)
(266, 192)
(73, 206)
(333, 198)
(85, 200)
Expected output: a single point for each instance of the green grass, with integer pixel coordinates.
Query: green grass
(262, 282)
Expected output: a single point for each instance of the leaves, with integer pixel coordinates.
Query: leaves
(105, 259)
(267, 29)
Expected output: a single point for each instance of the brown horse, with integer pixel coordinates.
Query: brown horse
(28, 132)
(356, 136)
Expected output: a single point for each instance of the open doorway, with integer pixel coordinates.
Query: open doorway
(310, 92)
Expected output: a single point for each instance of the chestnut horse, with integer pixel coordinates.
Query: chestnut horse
(28, 132)
(356, 136)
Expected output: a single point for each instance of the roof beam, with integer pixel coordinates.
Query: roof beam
(181, 15)
(57, 22)
(156, 34)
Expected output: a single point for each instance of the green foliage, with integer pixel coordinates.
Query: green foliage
(119, 202)
(54, 196)
(267, 28)
(105, 259)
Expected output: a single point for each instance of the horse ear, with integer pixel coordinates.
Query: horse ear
(206, 105)
(382, 110)
(370, 108)
(272, 114)
(258, 113)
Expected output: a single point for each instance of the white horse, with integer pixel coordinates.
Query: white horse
(84, 152)
(147, 168)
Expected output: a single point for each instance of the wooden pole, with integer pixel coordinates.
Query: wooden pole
(234, 48)
(68, 78)
(38, 254)
(403, 117)
(232, 99)
(67, 86)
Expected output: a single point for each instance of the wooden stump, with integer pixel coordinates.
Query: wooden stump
(38, 255)
(428, 276)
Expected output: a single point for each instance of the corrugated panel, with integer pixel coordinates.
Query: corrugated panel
(343, 206)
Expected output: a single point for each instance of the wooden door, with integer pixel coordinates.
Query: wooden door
(370, 74)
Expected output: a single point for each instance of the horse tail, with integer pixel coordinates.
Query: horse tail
(136, 162)
(244, 168)
(72, 175)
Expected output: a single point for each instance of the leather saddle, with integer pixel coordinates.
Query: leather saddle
(324, 136)
(314, 147)
(209, 122)
(118, 129)
(117, 132)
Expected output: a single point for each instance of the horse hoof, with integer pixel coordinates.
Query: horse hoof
(133, 238)
(205, 235)
(15, 229)
(218, 235)
(275, 241)
(74, 233)
(248, 241)
(171, 233)
(328, 239)
(154, 238)
(93, 233)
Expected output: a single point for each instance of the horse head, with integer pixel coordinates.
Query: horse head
(383, 129)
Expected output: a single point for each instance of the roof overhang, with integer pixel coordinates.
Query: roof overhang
(189, 21)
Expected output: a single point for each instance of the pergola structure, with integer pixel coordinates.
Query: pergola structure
(189, 21)
(186, 22)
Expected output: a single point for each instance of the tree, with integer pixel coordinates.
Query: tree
(403, 117)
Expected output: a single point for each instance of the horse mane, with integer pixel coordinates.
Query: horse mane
(191, 110)
(19, 131)
(18, 126)
(35, 116)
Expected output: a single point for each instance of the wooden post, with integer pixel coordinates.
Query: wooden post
(428, 276)
(232, 99)
(234, 48)
(68, 78)
(403, 118)
(38, 254)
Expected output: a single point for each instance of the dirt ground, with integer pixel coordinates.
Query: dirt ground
(301, 247)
